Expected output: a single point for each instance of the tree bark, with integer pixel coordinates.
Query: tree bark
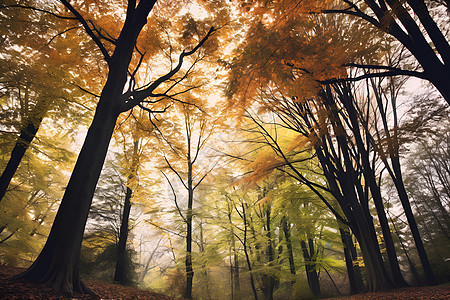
(27, 134)
(310, 266)
(247, 257)
(188, 262)
(354, 274)
(267, 279)
(287, 235)
(120, 272)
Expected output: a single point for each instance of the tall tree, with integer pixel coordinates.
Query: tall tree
(183, 161)
(58, 262)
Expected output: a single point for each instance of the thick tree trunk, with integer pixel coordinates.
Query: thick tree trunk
(119, 274)
(310, 267)
(58, 262)
(27, 134)
(349, 264)
(354, 274)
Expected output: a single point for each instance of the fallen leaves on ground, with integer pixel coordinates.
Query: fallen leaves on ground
(20, 289)
(410, 293)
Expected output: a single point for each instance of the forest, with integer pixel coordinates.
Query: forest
(226, 149)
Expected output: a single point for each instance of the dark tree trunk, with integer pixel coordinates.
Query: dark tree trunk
(27, 134)
(310, 267)
(346, 97)
(398, 181)
(247, 257)
(120, 272)
(188, 261)
(235, 284)
(354, 274)
(58, 262)
(360, 223)
(396, 175)
(285, 227)
(267, 279)
(287, 236)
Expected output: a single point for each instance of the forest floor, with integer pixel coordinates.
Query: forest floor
(410, 293)
(17, 289)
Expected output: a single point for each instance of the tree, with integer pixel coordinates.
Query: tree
(197, 130)
(58, 262)
(33, 89)
(413, 24)
(427, 167)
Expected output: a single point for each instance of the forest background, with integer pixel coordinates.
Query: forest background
(265, 149)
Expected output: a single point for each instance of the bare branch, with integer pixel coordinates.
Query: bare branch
(175, 197)
(140, 95)
(38, 9)
(88, 30)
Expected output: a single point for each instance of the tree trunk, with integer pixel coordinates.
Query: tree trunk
(354, 274)
(58, 262)
(267, 279)
(188, 262)
(27, 134)
(247, 257)
(360, 223)
(396, 175)
(235, 284)
(310, 267)
(346, 97)
(287, 236)
(119, 274)
(398, 181)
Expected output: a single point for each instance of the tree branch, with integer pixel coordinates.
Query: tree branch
(139, 95)
(88, 30)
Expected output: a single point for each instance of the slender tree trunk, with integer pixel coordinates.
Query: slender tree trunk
(188, 262)
(27, 134)
(268, 279)
(120, 272)
(310, 267)
(398, 181)
(287, 236)
(235, 284)
(346, 97)
(411, 265)
(247, 257)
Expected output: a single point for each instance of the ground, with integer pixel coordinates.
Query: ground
(17, 289)
(411, 293)
(14, 289)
